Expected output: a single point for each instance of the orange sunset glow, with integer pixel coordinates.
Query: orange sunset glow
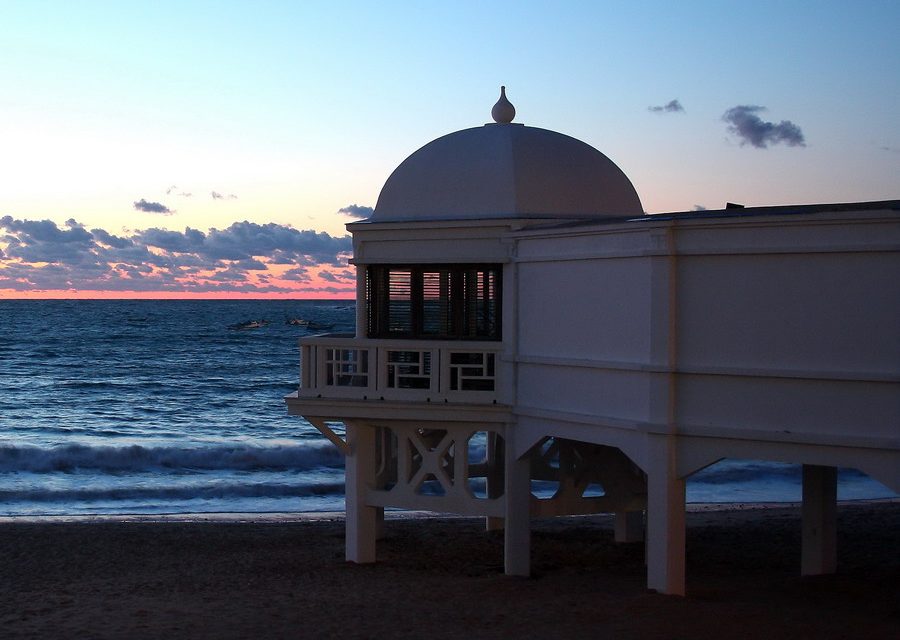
(43, 260)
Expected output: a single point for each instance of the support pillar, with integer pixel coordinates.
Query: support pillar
(362, 520)
(818, 553)
(492, 523)
(629, 526)
(517, 497)
(494, 458)
(665, 520)
(379, 523)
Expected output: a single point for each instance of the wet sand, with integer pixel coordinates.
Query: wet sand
(285, 577)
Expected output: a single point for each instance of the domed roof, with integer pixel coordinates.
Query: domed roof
(506, 170)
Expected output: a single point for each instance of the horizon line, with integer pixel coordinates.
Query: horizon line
(56, 295)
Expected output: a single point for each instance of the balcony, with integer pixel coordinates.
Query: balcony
(453, 371)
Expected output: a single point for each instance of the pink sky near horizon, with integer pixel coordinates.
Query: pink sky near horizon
(74, 294)
(313, 289)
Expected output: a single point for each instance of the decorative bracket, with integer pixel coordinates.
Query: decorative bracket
(326, 431)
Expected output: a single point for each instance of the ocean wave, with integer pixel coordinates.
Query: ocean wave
(90, 384)
(160, 494)
(733, 472)
(136, 458)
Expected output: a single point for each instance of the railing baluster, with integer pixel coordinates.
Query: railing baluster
(407, 370)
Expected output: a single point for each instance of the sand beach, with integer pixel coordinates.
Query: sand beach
(284, 576)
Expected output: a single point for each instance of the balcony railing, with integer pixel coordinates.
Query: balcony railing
(416, 370)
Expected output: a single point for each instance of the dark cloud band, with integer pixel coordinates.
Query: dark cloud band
(152, 207)
(43, 255)
(672, 106)
(744, 122)
(356, 211)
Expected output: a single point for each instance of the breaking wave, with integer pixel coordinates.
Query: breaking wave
(137, 458)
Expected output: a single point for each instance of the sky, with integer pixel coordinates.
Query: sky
(218, 149)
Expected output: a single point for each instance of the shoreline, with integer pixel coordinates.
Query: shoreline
(331, 516)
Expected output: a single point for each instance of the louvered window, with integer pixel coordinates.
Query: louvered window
(400, 312)
(434, 301)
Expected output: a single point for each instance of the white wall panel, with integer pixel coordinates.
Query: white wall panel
(846, 410)
(817, 312)
(583, 390)
(592, 309)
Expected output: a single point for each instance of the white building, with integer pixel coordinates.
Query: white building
(520, 318)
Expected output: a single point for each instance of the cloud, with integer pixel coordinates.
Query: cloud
(152, 207)
(751, 129)
(45, 231)
(330, 277)
(698, 207)
(245, 239)
(183, 194)
(110, 240)
(356, 211)
(172, 241)
(218, 196)
(672, 106)
(338, 277)
(244, 257)
(43, 241)
(298, 274)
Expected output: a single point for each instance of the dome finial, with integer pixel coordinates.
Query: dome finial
(503, 112)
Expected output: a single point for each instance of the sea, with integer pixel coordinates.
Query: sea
(113, 407)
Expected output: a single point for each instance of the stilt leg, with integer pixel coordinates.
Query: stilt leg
(517, 536)
(379, 523)
(629, 526)
(819, 515)
(665, 522)
(362, 527)
(494, 478)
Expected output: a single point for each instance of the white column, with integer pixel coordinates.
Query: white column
(629, 526)
(362, 520)
(494, 457)
(819, 515)
(379, 523)
(665, 490)
(665, 519)
(517, 535)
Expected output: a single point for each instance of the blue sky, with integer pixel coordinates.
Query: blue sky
(291, 111)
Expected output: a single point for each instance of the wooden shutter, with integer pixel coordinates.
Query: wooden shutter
(400, 307)
(436, 302)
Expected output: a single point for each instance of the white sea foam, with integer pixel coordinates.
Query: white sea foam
(137, 458)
